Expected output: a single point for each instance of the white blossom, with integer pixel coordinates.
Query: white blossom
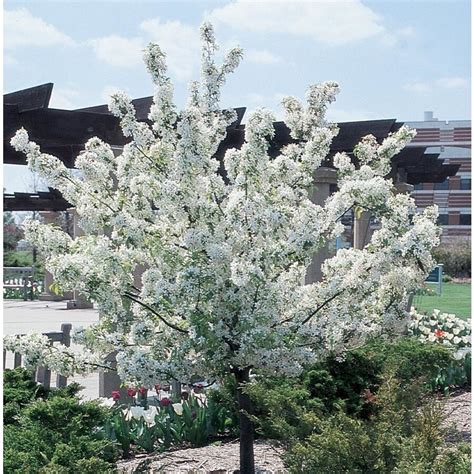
(222, 259)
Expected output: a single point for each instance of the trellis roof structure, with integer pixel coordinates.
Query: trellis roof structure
(63, 133)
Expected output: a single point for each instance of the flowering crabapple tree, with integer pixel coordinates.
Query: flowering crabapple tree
(225, 257)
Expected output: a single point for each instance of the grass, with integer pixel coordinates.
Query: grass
(455, 299)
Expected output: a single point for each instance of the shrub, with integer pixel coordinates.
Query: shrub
(286, 408)
(409, 358)
(455, 257)
(400, 437)
(19, 389)
(54, 433)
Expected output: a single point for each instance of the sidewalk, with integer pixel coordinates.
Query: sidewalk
(21, 317)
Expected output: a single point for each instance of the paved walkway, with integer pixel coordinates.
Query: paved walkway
(21, 317)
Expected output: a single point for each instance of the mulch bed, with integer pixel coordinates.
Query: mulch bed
(213, 459)
(224, 458)
(457, 410)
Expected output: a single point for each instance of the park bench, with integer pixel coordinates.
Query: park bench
(19, 278)
(42, 375)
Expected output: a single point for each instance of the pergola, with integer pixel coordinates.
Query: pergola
(63, 133)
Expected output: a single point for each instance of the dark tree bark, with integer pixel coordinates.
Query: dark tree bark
(247, 461)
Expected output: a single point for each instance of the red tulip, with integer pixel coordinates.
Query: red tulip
(142, 390)
(164, 402)
(131, 392)
(439, 333)
(115, 395)
(157, 388)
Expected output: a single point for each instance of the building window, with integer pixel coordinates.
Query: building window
(444, 185)
(465, 183)
(465, 219)
(443, 219)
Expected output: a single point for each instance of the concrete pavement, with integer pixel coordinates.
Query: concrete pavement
(23, 317)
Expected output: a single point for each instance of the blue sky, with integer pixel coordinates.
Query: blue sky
(392, 59)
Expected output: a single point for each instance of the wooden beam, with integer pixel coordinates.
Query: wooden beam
(30, 99)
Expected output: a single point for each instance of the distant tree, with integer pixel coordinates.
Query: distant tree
(12, 233)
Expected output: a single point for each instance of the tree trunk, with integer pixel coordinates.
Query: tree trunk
(247, 461)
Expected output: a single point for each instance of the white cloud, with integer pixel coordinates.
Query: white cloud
(118, 51)
(179, 41)
(64, 98)
(332, 23)
(21, 28)
(452, 82)
(417, 87)
(261, 56)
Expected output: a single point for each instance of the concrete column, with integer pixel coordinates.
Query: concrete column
(362, 230)
(49, 217)
(323, 178)
(78, 301)
(109, 381)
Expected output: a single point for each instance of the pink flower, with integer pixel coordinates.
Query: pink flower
(115, 395)
(131, 392)
(164, 402)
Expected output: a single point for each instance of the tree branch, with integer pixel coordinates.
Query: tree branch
(321, 306)
(149, 308)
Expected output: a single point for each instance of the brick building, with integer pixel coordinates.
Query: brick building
(452, 140)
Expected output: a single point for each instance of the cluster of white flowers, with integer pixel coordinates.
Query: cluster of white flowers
(148, 415)
(223, 258)
(39, 351)
(443, 328)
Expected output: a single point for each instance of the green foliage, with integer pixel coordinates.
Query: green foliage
(19, 258)
(361, 413)
(286, 408)
(12, 233)
(409, 358)
(457, 373)
(455, 257)
(399, 437)
(19, 389)
(51, 431)
(197, 424)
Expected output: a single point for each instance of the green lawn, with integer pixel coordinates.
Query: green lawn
(456, 299)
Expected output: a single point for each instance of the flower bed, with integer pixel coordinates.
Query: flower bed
(156, 423)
